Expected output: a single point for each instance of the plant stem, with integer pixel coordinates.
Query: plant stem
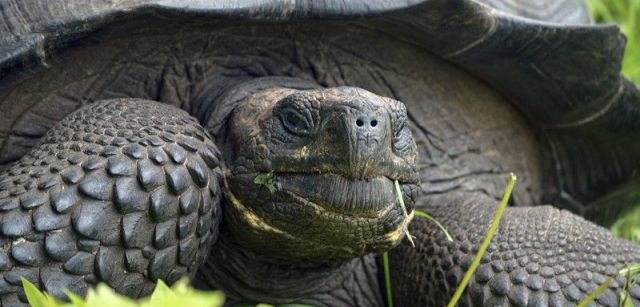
(597, 292)
(404, 210)
(387, 278)
(427, 216)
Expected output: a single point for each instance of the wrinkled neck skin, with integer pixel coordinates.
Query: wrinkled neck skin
(246, 278)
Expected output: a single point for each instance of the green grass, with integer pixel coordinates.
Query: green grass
(626, 14)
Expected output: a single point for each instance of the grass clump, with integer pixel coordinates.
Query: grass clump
(180, 294)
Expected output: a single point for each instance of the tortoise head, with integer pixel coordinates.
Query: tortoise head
(310, 174)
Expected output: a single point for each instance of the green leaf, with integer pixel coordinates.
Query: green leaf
(102, 295)
(267, 180)
(76, 301)
(180, 294)
(161, 292)
(34, 296)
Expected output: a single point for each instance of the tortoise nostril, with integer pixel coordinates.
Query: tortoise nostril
(367, 119)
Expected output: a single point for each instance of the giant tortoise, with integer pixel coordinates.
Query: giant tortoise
(253, 146)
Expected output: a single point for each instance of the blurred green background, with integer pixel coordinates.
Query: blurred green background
(626, 14)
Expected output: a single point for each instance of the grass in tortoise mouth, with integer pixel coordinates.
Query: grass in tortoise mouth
(362, 198)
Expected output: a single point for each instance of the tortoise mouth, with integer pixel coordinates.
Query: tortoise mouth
(322, 217)
(333, 193)
(363, 198)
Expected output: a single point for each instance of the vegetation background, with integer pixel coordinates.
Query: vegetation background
(626, 14)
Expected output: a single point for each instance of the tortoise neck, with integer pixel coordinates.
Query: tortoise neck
(246, 278)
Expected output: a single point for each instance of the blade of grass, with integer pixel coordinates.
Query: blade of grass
(628, 271)
(387, 278)
(385, 255)
(485, 243)
(623, 292)
(404, 209)
(634, 269)
(427, 216)
(597, 292)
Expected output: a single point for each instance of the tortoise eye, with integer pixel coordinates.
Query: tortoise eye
(299, 116)
(296, 123)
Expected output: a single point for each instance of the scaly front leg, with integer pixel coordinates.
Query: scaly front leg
(121, 191)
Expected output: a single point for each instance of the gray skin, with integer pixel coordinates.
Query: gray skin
(129, 190)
